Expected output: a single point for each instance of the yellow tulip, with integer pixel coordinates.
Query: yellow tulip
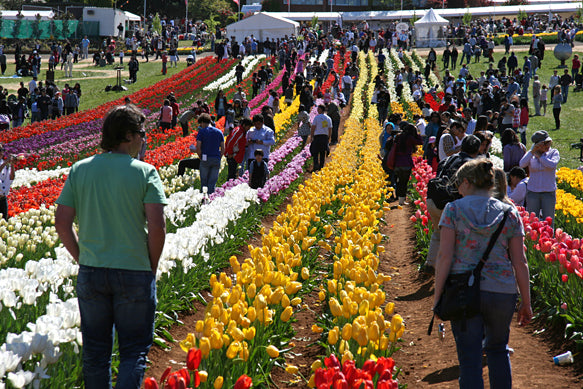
(347, 356)
(285, 301)
(335, 307)
(316, 365)
(188, 343)
(218, 384)
(203, 375)
(373, 332)
(390, 308)
(384, 343)
(216, 340)
(237, 334)
(396, 322)
(293, 287)
(244, 352)
(286, 314)
(333, 336)
(291, 369)
(205, 346)
(316, 329)
(305, 273)
(312, 381)
(322, 295)
(249, 333)
(347, 331)
(251, 291)
(233, 349)
(251, 314)
(296, 301)
(272, 351)
(199, 327)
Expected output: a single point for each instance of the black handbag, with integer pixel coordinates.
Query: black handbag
(460, 298)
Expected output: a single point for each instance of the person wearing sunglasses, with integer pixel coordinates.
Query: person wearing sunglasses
(6, 178)
(118, 202)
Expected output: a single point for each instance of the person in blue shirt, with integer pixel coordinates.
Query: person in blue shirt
(259, 137)
(210, 146)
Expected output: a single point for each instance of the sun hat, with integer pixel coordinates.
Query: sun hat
(540, 136)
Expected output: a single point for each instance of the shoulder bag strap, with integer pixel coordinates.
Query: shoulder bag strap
(491, 243)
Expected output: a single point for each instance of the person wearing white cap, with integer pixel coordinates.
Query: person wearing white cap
(542, 161)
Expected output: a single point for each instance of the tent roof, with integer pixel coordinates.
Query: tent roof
(11, 15)
(132, 17)
(477, 12)
(263, 20)
(431, 18)
(303, 16)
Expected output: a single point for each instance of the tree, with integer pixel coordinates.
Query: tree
(467, 18)
(156, 24)
(206, 9)
(521, 15)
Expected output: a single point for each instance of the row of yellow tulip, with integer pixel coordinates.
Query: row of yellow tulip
(240, 328)
(356, 327)
(570, 177)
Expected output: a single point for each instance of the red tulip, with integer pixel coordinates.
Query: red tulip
(165, 374)
(193, 359)
(564, 277)
(150, 383)
(244, 382)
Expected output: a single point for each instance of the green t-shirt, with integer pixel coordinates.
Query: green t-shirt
(108, 192)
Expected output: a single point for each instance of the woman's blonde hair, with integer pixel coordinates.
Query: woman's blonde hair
(501, 186)
(479, 172)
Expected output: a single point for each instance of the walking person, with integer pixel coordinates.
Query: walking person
(210, 147)
(557, 101)
(536, 95)
(466, 227)
(235, 147)
(542, 161)
(118, 250)
(406, 143)
(320, 135)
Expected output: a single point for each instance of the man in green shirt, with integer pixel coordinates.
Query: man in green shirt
(119, 205)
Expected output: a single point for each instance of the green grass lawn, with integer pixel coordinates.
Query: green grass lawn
(93, 88)
(571, 113)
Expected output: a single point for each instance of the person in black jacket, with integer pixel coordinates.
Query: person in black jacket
(258, 171)
(134, 67)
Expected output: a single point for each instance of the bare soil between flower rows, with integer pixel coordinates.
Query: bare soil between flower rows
(425, 361)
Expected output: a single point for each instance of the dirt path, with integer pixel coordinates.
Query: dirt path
(428, 361)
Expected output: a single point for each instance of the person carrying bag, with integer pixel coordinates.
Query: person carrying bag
(479, 297)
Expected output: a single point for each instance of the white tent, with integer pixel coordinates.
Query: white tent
(130, 17)
(262, 26)
(429, 30)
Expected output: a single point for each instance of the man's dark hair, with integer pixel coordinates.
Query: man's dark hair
(120, 121)
(471, 144)
(258, 118)
(258, 152)
(204, 118)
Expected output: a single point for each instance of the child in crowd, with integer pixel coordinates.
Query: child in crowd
(543, 98)
(258, 171)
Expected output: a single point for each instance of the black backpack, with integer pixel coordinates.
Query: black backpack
(442, 189)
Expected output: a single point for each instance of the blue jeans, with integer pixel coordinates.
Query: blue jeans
(209, 173)
(487, 332)
(123, 300)
(565, 92)
(544, 202)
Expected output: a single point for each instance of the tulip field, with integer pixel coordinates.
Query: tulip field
(324, 242)
(330, 228)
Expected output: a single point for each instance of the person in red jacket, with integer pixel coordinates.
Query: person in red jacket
(235, 147)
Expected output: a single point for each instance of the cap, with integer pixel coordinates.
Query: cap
(431, 140)
(540, 136)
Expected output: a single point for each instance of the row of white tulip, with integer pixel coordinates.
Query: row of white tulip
(27, 177)
(230, 78)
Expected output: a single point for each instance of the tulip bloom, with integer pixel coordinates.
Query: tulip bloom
(244, 382)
